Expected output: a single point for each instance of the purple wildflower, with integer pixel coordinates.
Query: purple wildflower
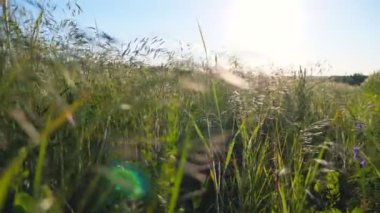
(359, 126)
(362, 163)
(356, 152)
(358, 158)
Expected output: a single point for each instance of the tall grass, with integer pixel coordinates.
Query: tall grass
(87, 126)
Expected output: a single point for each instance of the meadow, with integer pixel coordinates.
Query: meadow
(86, 125)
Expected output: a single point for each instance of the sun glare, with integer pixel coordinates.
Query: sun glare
(268, 28)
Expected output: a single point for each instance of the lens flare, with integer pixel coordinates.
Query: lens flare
(128, 181)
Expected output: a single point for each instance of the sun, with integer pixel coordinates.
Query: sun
(272, 28)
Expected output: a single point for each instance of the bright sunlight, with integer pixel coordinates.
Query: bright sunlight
(270, 29)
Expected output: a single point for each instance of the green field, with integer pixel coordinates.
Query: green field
(88, 127)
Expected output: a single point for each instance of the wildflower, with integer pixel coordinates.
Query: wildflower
(359, 126)
(356, 152)
(362, 163)
(357, 157)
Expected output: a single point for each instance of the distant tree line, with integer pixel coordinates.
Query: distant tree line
(355, 79)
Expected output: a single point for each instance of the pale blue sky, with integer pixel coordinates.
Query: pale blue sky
(346, 33)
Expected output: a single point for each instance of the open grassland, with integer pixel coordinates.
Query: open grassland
(83, 130)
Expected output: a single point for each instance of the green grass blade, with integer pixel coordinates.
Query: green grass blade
(9, 173)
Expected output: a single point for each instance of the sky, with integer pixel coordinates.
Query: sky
(344, 34)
